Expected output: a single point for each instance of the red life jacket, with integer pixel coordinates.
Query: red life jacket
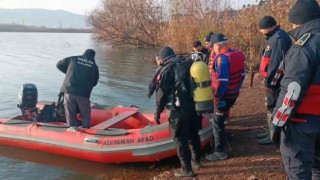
(310, 103)
(237, 64)
(211, 61)
(265, 61)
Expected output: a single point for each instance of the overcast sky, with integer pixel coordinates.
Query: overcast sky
(76, 6)
(239, 3)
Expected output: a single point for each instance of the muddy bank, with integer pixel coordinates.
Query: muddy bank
(248, 160)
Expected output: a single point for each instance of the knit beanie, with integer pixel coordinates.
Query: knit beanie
(303, 11)
(267, 22)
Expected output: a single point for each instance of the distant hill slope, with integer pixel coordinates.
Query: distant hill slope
(42, 17)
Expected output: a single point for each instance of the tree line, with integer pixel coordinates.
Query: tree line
(24, 28)
(152, 23)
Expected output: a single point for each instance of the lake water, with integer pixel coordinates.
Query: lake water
(32, 58)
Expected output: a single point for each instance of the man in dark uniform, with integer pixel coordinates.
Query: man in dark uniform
(297, 113)
(178, 98)
(271, 66)
(197, 47)
(82, 75)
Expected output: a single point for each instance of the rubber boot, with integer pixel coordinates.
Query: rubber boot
(263, 135)
(267, 140)
(269, 119)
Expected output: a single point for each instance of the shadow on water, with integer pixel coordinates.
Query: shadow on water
(91, 170)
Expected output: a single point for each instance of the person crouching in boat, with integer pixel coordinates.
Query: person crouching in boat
(176, 95)
(82, 75)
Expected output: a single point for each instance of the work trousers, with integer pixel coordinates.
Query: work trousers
(74, 103)
(184, 128)
(219, 116)
(300, 149)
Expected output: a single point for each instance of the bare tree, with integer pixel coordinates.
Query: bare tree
(178, 23)
(134, 22)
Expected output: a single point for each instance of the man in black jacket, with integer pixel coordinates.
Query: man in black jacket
(207, 40)
(271, 67)
(175, 94)
(82, 75)
(298, 105)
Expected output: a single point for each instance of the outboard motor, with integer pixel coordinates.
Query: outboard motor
(28, 99)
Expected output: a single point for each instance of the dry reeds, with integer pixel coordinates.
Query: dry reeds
(178, 23)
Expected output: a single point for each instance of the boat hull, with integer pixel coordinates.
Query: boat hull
(112, 145)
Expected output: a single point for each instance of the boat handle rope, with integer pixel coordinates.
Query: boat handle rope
(15, 122)
(120, 132)
(50, 125)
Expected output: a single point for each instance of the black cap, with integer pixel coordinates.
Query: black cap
(165, 53)
(267, 22)
(208, 36)
(303, 11)
(217, 38)
(196, 43)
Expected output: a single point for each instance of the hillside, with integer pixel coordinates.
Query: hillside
(42, 17)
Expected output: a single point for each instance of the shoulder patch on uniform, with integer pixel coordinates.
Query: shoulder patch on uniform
(303, 39)
(268, 48)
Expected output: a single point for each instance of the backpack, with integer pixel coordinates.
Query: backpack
(192, 77)
(47, 114)
(60, 113)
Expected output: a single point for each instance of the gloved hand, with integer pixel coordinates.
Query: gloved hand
(276, 134)
(219, 105)
(157, 117)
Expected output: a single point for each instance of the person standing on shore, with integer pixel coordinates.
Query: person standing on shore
(227, 75)
(175, 94)
(271, 67)
(296, 119)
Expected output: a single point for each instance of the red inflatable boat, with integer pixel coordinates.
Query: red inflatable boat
(117, 135)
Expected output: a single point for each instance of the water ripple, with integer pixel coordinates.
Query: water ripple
(32, 58)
